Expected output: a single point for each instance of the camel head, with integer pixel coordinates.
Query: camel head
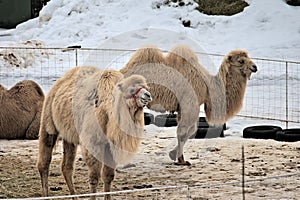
(238, 61)
(135, 89)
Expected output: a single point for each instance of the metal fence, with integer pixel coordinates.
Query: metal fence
(272, 94)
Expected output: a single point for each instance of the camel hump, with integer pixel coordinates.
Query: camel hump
(108, 79)
(182, 54)
(2, 88)
(143, 57)
(37, 88)
(27, 87)
(149, 54)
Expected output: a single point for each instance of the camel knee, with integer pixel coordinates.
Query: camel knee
(94, 179)
(184, 132)
(46, 144)
(47, 140)
(108, 174)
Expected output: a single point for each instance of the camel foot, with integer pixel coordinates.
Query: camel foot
(185, 163)
(181, 161)
(173, 154)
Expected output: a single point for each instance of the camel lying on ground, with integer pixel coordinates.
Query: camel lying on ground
(100, 110)
(21, 108)
(178, 83)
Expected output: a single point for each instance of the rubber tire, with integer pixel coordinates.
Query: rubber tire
(148, 118)
(166, 120)
(202, 123)
(261, 132)
(288, 135)
(211, 132)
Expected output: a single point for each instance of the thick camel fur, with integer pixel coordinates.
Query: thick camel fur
(21, 108)
(178, 83)
(102, 111)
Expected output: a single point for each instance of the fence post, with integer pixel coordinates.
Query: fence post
(76, 57)
(286, 96)
(243, 172)
(76, 47)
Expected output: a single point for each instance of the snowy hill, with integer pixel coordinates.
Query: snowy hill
(266, 28)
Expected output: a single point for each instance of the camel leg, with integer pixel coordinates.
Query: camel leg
(108, 175)
(67, 164)
(94, 167)
(183, 134)
(33, 130)
(46, 144)
(108, 171)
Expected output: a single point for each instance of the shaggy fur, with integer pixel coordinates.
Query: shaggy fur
(21, 108)
(179, 83)
(93, 108)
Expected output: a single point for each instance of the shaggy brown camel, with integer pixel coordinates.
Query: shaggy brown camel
(21, 108)
(178, 83)
(100, 110)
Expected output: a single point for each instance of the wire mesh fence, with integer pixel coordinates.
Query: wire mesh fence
(273, 93)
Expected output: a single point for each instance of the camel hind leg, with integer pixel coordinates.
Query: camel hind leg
(46, 144)
(67, 165)
(183, 134)
(32, 131)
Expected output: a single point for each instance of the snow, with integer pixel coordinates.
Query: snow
(266, 29)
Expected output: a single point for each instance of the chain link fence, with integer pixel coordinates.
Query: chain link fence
(272, 94)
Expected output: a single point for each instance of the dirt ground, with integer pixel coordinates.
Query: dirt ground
(215, 173)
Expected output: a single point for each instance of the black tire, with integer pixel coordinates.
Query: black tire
(167, 120)
(211, 132)
(202, 123)
(288, 135)
(148, 118)
(261, 132)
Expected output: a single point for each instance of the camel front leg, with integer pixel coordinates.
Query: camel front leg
(108, 175)
(94, 167)
(183, 134)
(108, 171)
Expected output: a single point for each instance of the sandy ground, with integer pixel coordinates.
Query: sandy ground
(215, 173)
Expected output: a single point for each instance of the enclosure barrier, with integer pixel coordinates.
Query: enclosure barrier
(178, 191)
(272, 94)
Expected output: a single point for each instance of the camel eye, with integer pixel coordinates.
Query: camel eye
(131, 91)
(241, 61)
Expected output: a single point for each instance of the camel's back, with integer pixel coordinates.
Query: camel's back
(169, 77)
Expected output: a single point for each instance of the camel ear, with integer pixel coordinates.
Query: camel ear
(120, 86)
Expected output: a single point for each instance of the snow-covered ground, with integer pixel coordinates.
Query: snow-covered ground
(266, 29)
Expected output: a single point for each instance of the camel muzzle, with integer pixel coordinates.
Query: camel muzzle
(253, 68)
(145, 97)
